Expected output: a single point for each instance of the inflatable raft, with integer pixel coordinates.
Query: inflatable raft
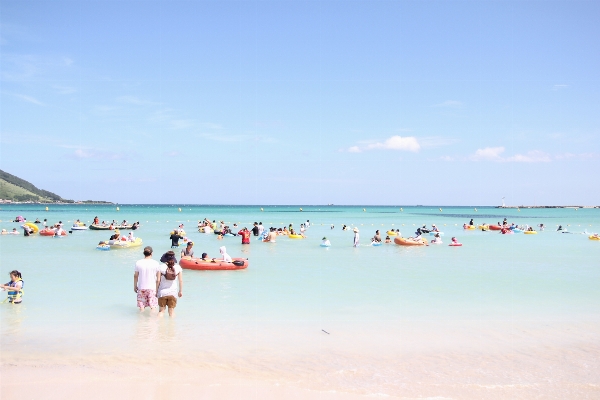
(106, 228)
(201, 265)
(592, 237)
(392, 233)
(530, 232)
(51, 233)
(408, 242)
(469, 227)
(494, 227)
(125, 244)
(296, 236)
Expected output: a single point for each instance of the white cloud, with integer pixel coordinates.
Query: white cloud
(530, 157)
(560, 87)
(449, 103)
(407, 143)
(81, 153)
(84, 153)
(447, 158)
(495, 154)
(488, 154)
(30, 99)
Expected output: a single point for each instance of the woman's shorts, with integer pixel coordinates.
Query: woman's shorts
(169, 301)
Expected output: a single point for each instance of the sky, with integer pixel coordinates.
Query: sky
(303, 102)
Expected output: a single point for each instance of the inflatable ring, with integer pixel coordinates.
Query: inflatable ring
(33, 226)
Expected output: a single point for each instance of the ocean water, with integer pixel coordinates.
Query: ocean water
(366, 320)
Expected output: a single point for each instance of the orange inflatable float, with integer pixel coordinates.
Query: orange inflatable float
(495, 227)
(201, 265)
(50, 232)
(410, 242)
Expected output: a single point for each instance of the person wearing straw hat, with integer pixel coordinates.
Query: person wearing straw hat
(356, 237)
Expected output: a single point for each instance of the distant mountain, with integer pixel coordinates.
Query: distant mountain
(16, 189)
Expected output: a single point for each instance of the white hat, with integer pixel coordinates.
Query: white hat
(355, 229)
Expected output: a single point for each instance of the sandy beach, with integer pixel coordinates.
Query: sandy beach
(555, 361)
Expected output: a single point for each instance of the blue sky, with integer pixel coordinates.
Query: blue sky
(303, 102)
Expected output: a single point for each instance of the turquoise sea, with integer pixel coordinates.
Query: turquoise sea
(364, 320)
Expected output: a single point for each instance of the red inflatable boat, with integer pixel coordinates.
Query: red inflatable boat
(201, 265)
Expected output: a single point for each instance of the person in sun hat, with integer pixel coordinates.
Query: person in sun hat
(434, 228)
(226, 257)
(356, 237)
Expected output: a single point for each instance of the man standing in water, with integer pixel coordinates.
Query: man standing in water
(245, 233)
(255, 229)
(145, 280)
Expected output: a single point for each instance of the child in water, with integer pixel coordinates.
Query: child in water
(15, 288)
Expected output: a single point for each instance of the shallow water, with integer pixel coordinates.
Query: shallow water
(390, 312)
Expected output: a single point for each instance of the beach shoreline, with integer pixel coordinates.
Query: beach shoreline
(458, 375)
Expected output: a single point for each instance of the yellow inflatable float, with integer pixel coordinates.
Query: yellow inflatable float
(32, 226)
(125, 244)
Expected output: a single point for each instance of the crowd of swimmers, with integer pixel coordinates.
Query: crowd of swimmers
(115, 225)
(504, 227)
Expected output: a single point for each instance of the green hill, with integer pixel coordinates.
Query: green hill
(17, 189)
